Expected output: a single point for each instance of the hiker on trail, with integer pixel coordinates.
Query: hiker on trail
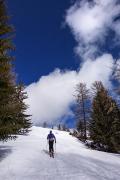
(51, 139)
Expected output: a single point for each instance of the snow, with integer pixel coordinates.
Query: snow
(27, 159)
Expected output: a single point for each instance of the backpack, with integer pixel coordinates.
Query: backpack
(51, 137)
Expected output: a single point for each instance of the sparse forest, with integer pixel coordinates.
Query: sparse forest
(104, 117)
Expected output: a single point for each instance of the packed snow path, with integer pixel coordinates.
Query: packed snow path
(27, 159)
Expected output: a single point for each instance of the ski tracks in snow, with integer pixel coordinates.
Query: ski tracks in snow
(27, 158)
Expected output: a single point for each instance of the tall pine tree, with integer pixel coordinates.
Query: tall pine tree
(82, 109)
(105, 121)
(13, 119)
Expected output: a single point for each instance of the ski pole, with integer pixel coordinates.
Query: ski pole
(55, 147)
(46, 145)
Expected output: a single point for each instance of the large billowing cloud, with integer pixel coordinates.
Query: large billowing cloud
(50, 98)
(90, 21)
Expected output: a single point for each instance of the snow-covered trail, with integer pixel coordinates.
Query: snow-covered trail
(27, 159)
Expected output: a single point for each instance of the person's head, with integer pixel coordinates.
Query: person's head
(50, 132)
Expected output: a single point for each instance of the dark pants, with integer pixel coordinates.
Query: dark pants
(51, 149)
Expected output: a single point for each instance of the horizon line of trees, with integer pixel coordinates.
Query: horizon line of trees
(59, 126)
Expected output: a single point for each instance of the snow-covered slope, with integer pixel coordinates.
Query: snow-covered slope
(27, 159)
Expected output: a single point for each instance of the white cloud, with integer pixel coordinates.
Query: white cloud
(50, 98)
(90, 22)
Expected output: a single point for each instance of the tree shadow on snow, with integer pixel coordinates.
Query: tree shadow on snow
(4, 152)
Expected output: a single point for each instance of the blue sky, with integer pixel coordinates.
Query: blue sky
(58, 45)
(42, 43)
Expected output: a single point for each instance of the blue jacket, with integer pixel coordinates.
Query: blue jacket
(51, 137)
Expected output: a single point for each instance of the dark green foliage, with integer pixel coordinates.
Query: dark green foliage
(13, 119)
(105, 122)
(22, 119)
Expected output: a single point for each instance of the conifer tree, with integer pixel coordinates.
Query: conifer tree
(22, 119)
(12, 108)
(59, 127)
(64, 127)
(82, 109)
(105, 121)
(44, 124)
